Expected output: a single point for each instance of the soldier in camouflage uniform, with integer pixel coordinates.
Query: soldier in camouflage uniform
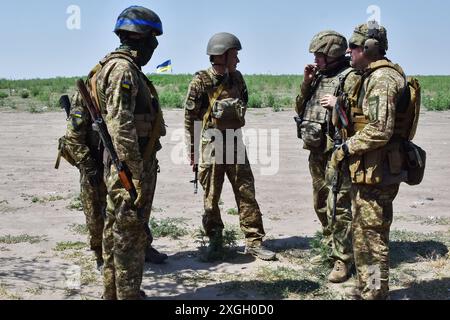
(213, 93)
(372, 152)
(80, 146)
(323, 82)
(129, 105)
(83, 148)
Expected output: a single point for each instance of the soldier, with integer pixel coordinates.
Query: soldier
(374, 155)
(217, 100)
(81, 147)
(129, 105)
(330, 76)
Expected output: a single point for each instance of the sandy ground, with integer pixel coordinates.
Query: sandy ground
(28, 145)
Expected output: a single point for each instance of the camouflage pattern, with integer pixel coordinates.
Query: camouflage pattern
(128, 107)
(372, 204)
(372, 219)
(337, 236)
(211, 171)
(361, 35)
(330, 43)
(83, 145)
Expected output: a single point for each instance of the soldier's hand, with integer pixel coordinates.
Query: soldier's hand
(140, 201)
(338, 155)
(309, 73)
(328, 101)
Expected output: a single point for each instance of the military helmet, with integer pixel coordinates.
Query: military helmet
(139, 20)
(330, 43)
(221, 43)
(371, 31)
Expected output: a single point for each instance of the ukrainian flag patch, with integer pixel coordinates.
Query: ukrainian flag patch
(126, 85)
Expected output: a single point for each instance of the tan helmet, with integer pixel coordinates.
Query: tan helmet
(371, 36)
(330, 43)
(221, 43)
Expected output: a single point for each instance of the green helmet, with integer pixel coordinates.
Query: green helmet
(330, 43)
(370, 30)
(221, 43)
(139, 20)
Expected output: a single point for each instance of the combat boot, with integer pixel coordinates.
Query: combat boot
(215, 247)
(154, 256)
(99, 260)
(259, 251)
(339, 273)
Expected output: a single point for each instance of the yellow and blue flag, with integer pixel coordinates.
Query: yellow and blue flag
(164, 67)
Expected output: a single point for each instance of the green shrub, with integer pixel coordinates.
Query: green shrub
(25, 94)
(3, 95)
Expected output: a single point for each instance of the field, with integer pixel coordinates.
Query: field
(43, 246)
(266, 91)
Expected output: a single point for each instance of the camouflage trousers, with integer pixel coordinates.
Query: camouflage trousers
(372, 218)
(337, 235)
(93, 197)
(212, 177)
(124, 236)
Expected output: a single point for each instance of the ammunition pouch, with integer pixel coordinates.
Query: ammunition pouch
(415, 163)
(367, 168)
(312, 134)
(228, 114)
(64, 152)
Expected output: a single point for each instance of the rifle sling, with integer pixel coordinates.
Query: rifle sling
(212, 99)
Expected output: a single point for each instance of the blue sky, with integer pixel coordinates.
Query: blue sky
(275, 34)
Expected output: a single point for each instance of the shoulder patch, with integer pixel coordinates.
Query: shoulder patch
(126, 85)
(76, 120)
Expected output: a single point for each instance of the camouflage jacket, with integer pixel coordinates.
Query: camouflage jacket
(81, 141)
(128, 107)
(197, 101)
(378, 96)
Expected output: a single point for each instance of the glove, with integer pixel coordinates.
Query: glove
(140, 201)
(338, 155)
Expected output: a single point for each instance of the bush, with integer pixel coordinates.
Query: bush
(25, 94)
(3, 95)
(171, 100)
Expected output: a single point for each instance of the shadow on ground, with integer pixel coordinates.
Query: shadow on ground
(409, 252)
(424, 290)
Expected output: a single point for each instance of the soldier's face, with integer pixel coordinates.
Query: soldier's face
(320, 60)
(233, 60)
(358, 59)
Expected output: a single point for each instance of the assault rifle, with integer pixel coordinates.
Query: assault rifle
(195, 181)
(99, 125)
(339, 138)
(64, 103)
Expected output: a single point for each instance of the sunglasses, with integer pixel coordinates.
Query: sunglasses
(353, 46)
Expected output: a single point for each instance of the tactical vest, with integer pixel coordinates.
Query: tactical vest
(316, 119)
(407, 109)
(385, 165)
(147, 113)
(231, 88)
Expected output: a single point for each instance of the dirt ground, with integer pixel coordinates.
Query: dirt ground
(41, 243)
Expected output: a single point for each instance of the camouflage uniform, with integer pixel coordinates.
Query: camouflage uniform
(211, 171)
(337, 236)
(84, 147)
(129, 108)
(374, 189)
